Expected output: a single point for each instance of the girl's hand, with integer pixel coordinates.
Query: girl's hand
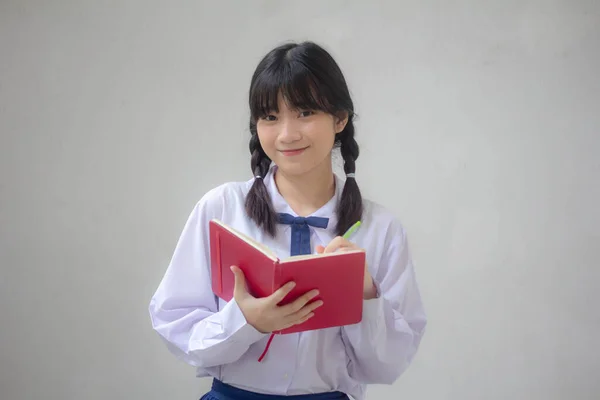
(264, 314)
(341, 244)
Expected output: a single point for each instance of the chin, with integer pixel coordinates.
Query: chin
(293, 169)
(296, 169)
(302, 165)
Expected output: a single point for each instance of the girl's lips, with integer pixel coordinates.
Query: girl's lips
(294, 152)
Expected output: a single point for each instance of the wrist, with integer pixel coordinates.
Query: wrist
(371, 292)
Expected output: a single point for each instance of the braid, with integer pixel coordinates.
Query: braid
(258, 202)
(259, 161)
(350, 208)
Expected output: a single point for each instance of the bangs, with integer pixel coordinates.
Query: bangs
(301, 90)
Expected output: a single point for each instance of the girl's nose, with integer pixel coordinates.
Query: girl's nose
(289, 132)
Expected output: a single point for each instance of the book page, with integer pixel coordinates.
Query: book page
(309, 256)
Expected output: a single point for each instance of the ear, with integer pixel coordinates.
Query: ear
(341, 119)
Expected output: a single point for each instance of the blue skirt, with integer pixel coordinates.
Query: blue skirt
(223, 391)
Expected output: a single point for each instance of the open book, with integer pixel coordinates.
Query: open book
(338, 276)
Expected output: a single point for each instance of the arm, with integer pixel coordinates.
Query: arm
(384, 343)
(184, 310)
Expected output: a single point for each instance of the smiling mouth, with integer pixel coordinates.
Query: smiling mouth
(294, 152)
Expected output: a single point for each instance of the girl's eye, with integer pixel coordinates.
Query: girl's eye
(306, 113)
(269, 118)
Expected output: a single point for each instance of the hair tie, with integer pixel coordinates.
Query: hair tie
(350, 175)
(258, 177)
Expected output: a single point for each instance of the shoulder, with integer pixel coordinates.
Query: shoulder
(382, 222)
(228, 196)
(385, 240)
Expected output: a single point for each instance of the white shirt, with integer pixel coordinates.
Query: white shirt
(214, 336)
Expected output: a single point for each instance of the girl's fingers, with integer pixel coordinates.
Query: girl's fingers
(336, 244)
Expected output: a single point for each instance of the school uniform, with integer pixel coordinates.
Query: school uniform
(213, 335)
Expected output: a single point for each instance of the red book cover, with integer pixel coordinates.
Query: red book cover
(338, 276)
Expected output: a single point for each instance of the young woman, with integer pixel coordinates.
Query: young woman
(300, 110)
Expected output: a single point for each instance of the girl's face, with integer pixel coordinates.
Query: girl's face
(298, 141)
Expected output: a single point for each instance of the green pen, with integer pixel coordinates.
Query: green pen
(351, 230)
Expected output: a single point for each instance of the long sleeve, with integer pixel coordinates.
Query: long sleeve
(383, 344)
(184, 310)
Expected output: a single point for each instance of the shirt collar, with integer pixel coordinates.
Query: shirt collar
(328, 210)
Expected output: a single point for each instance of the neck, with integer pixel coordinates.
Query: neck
(308, 192)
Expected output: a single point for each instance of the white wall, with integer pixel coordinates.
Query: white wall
(115, 117)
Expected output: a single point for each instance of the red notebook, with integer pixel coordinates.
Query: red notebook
(338, 276)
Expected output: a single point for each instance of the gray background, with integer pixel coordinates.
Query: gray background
(117, 116)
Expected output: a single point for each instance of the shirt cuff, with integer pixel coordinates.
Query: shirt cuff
(236, 327)
(373, 310)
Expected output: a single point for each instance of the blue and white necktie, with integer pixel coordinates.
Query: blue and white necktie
(300, 243)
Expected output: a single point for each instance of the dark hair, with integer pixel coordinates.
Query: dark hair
(308, 78)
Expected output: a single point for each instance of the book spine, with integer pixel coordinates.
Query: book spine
(219, 264)
(277, 285)
(277, 276)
